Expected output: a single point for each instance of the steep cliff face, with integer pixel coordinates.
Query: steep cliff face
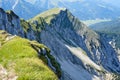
(77, 48)
(10, 22)
(81, 52)
(110, 30)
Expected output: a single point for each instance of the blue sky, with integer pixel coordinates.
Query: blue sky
(113, 2)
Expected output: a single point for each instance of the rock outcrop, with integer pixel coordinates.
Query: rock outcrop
(5, 75)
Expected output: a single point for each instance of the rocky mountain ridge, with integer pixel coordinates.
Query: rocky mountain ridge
(81, 52)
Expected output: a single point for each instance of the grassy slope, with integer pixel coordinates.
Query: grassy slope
(18, 54)
(49, 14)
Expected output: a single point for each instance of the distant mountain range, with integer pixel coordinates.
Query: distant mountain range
(83, 9)
(20, 7)
(112, 26)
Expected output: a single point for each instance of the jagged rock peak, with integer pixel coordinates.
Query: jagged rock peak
(10, 22)
(10, 12)
(1, 10)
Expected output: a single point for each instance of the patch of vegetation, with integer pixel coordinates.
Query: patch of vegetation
(18, 54)
(53, 61)
(55, 64)
(25, 25)
(49, 14)
(10, 12)
(3, 36)
(116, 77)
(40, 23)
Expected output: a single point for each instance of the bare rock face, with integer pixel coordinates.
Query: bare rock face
(5, 75)
(82, 53)
(3, 72)
(10, 22)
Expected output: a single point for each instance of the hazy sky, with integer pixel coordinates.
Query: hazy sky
(113, 2)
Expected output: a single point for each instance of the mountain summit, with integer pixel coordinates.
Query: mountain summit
(81, 52)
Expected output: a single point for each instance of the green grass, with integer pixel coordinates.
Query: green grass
(49, 14)
(18, 54)
(3, 36)
(54, 63)
(25, 25)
